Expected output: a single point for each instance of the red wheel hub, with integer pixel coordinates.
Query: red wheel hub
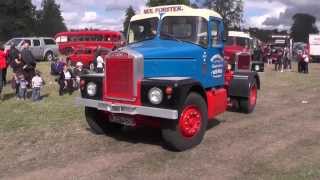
(253, 95)
(190, 121)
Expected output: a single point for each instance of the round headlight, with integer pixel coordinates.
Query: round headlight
(91, 89)
(257, 68)
(229, 67)
(155, 95)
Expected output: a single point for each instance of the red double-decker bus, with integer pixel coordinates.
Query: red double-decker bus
(71, 40)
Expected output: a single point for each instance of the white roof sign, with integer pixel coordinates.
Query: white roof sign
(239, 34)
(175, 10)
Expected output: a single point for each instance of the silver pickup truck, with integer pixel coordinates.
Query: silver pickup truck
(42, 48)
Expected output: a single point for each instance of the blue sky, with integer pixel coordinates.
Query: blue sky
(109, 14)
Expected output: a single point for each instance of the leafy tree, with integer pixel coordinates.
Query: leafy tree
(230, 10)
(50, 19)
(17, 18)
(129, 13)
(153, 3)
(303, 25)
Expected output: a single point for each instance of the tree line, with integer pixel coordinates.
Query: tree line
(21, 18)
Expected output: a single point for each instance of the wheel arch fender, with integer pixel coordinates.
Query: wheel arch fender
(242, 82)
(197, 88)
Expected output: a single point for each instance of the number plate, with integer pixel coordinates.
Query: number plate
(127, 121)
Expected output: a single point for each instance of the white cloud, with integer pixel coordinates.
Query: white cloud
(69, 16)
(103, 14)
(89, 16)
(268, 9)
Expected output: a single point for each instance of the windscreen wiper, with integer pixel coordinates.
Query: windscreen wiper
(171, 36)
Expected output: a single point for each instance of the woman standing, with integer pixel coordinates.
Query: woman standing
(17, 68)
(305, 62)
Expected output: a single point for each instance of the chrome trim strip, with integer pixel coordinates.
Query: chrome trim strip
(129, 109)
(93, 75)
(121, 99)
(241, 76)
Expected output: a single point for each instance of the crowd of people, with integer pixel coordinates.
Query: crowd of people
(68, 77)
(25, 76)
(281, 59)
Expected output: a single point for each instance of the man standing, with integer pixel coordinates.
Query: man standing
(27, 56)
(2, 67)
(29, 61)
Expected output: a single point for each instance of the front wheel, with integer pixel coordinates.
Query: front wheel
(188, 131)
(98, 122)
(247, 105)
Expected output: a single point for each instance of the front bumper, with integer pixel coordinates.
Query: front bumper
(129, 109)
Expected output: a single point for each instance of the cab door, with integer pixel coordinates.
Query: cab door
(214, 54)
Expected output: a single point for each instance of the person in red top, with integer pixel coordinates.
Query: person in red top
(3, 65)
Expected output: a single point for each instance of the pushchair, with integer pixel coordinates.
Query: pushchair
(57, 67)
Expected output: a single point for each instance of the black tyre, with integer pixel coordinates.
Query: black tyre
(99, 123)
(189, 129)
(49, 56)
(247, 105)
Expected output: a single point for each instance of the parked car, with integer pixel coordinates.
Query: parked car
(42, 48)
(85, 56)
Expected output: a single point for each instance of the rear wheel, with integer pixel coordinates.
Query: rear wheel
(98, 122)
(190, 128)
(247, 105)
(48, 56)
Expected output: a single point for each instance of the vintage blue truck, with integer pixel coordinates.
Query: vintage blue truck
(171, 75)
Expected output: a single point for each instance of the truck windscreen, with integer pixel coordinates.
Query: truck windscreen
(141, 30)
(185, 28)
(243, 42)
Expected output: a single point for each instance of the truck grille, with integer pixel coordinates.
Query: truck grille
(244, 61)
(119, 79)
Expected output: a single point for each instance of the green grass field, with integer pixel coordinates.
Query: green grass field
(52, 111)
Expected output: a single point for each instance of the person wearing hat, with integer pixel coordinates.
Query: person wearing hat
(79, 71)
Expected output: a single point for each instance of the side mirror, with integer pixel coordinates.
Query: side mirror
(225, 35)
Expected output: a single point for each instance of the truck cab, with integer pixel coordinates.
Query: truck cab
(239, 52)
(171, 75)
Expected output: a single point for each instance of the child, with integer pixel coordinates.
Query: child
(23, 83)
(37, 83)
(65, 81)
